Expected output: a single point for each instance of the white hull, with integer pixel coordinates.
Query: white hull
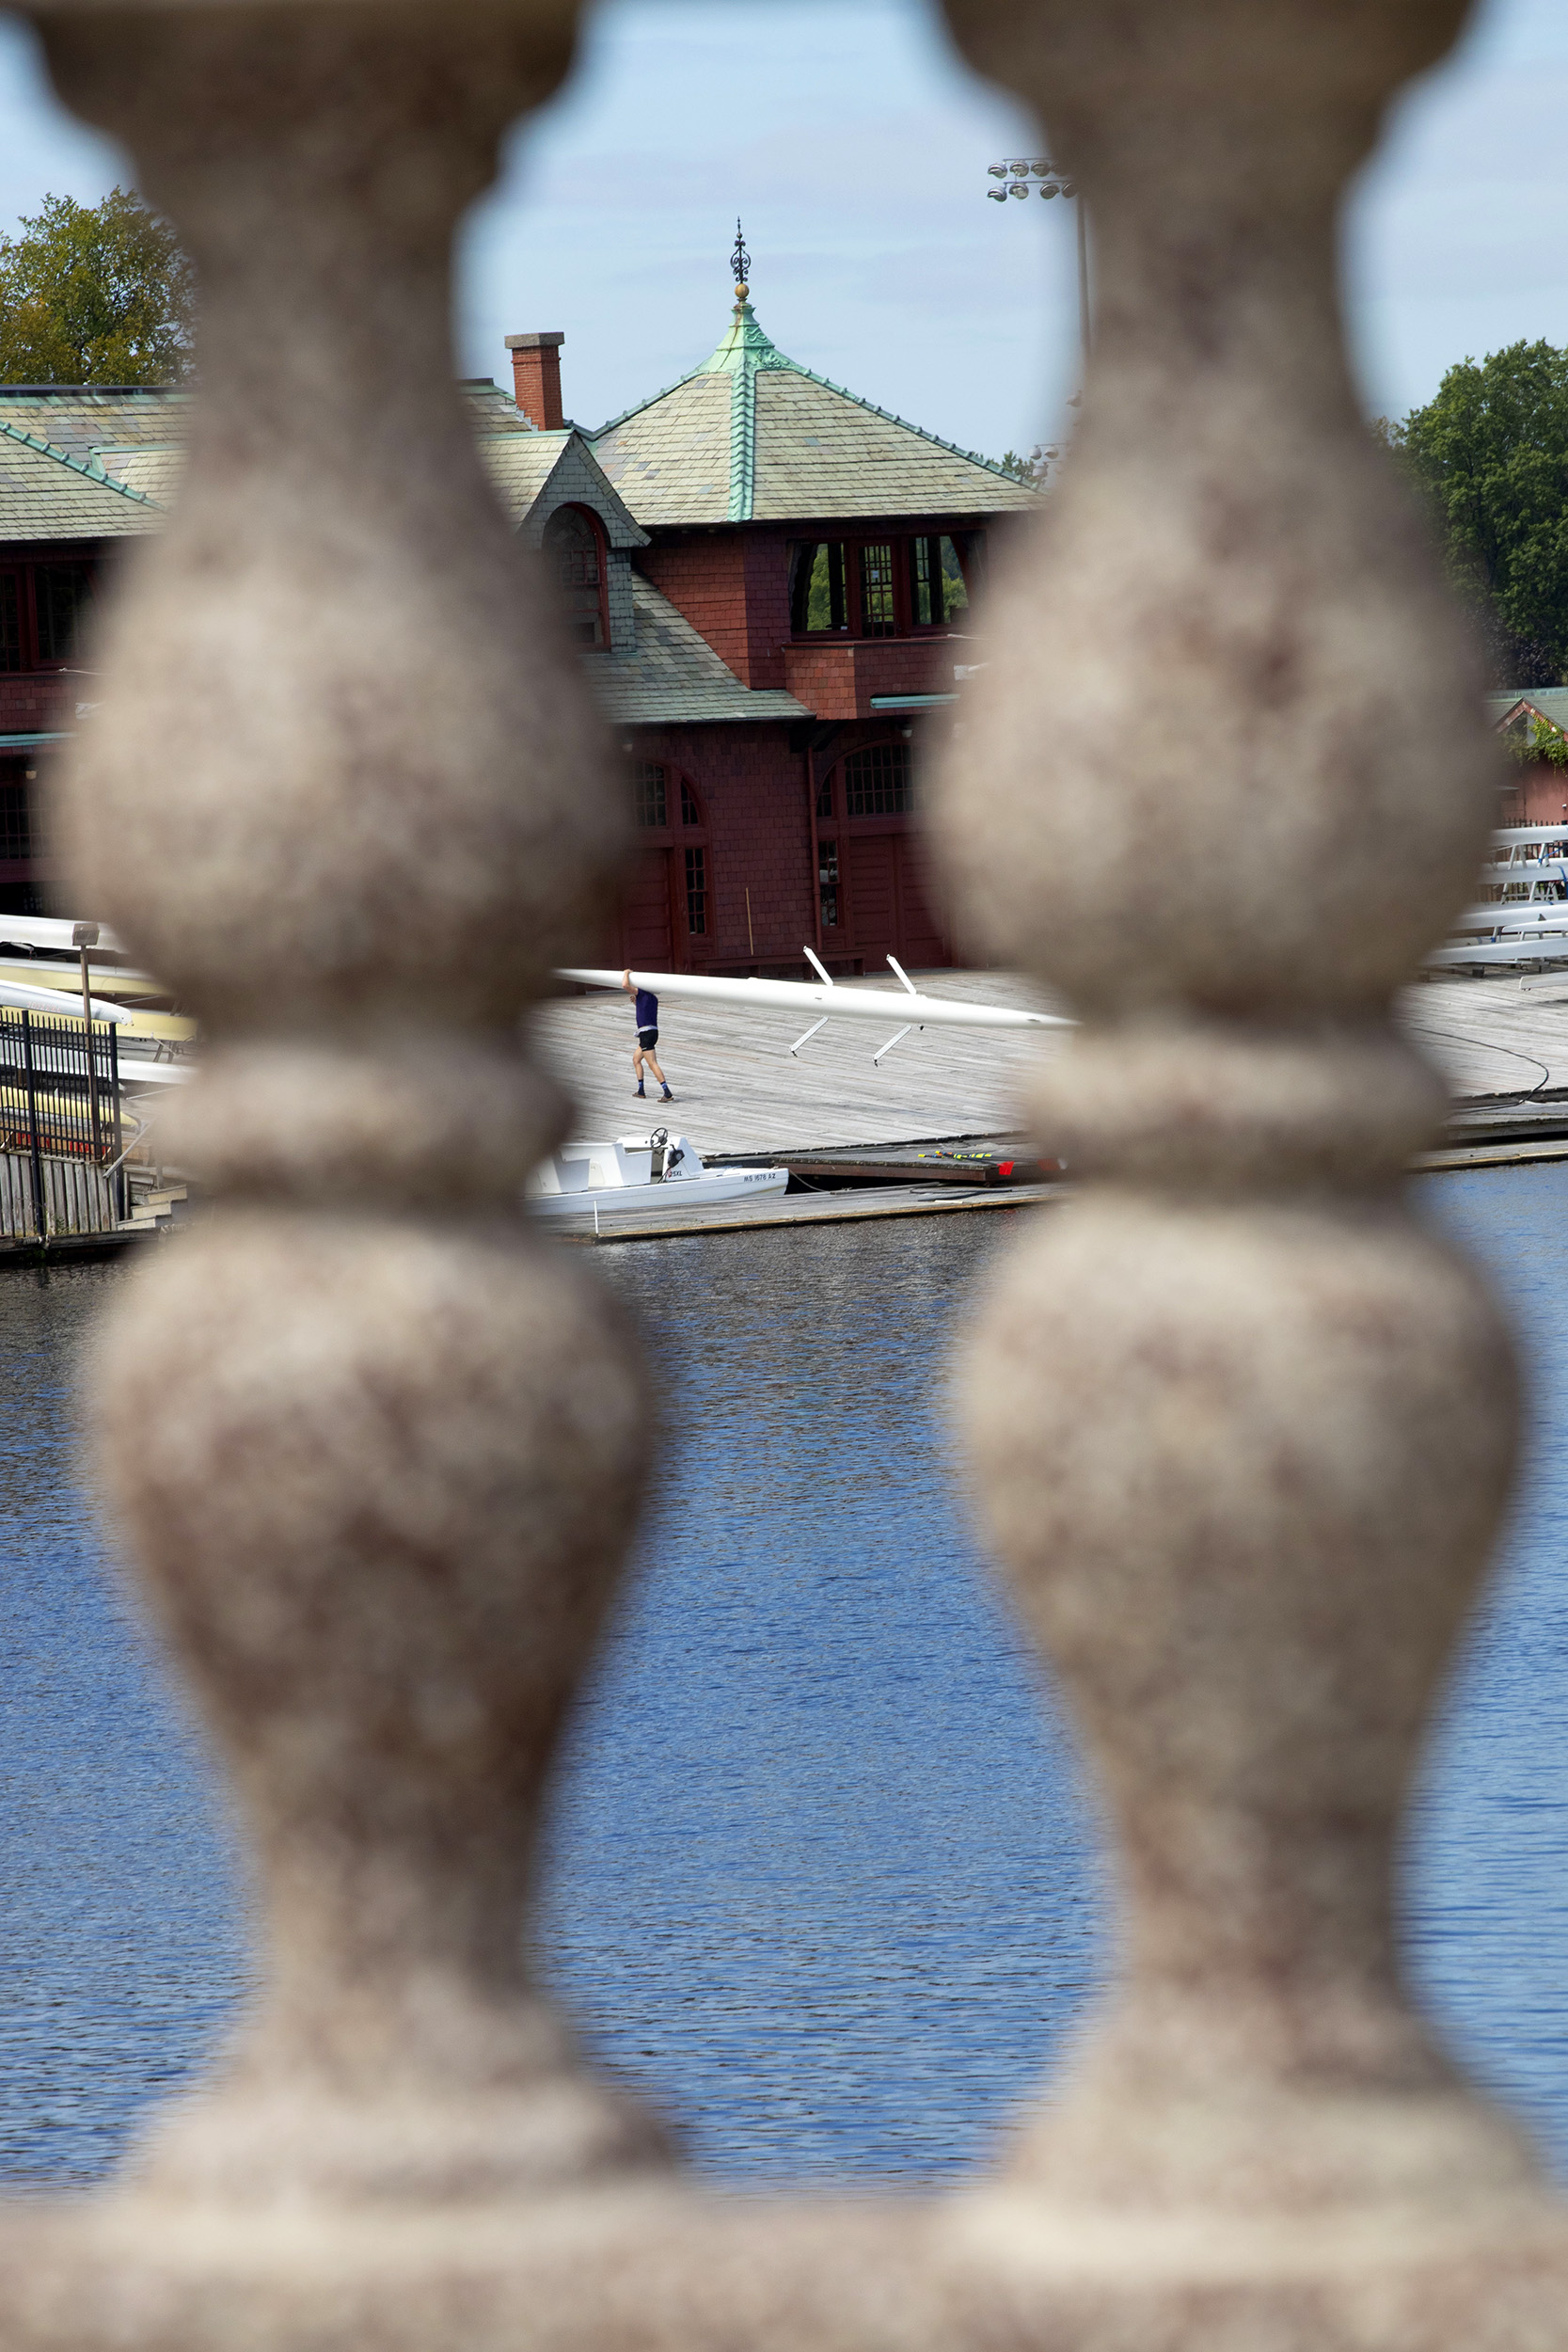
(619, 1179)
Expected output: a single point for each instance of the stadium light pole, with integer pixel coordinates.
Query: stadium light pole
(1020, 180)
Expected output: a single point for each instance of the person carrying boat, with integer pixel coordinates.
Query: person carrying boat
(645, 1008)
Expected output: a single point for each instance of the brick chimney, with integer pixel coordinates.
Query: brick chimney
(536, 374)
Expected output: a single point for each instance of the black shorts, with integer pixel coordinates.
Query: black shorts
(647, 1039)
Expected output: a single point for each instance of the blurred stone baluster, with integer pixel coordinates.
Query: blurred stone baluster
(1243, 1426)
(374, 1448)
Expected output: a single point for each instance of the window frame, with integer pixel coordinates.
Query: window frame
(679, 832)
(968, 546)
(901, 754)
(16, 777)
(25, 571)
(601, 545)
(660, 825)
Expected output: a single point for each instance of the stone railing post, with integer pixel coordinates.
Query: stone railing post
(1242, 1426)
(374, 1448)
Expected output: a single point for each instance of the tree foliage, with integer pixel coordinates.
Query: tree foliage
(1030, 471)
(1491, 451)
(94, 295)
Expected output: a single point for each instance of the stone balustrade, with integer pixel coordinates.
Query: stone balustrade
(1242, 1428)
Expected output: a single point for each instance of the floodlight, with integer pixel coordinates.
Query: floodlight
(998, 171)
(1051, 188)
(1019, 187)
(997, 195)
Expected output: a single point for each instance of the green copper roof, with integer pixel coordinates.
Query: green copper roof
(661, 455)
(744, 349)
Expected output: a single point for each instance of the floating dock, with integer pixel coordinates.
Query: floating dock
(853, 1206)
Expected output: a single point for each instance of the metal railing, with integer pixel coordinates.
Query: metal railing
(60, 1126)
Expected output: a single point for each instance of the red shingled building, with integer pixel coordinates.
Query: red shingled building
(769, 581)
(825, 552)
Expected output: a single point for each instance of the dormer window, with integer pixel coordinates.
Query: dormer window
(573, 546)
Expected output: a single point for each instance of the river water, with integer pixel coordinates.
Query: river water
(823, 1879)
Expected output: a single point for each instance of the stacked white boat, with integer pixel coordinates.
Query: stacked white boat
(1520, 921)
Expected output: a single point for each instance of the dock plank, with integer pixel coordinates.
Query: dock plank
(737, 1088)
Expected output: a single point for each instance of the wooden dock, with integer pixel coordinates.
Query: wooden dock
(738, 1091)
(849, 1207)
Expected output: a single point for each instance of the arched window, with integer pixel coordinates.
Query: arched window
(574, 548)
(877, 781)
(650, 786)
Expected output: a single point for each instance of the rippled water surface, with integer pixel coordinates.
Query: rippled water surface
(823, 1878)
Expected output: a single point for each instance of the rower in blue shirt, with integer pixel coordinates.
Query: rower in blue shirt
(647, 1014)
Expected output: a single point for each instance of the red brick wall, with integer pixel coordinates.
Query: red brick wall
(757, 837)
(705, 577)
(41, 704)
(732, 585)
(837, 681)
(751, 789)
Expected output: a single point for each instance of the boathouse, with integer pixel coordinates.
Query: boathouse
(769, 581)
(826, 555)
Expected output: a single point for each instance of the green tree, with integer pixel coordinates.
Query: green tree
(94, 295)
(1030, 471)
(1491, 451)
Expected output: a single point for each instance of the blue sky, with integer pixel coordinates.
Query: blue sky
(855, 145)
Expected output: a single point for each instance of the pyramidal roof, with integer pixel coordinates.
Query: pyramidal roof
(754, 436)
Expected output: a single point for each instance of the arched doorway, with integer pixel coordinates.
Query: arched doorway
(872, 891)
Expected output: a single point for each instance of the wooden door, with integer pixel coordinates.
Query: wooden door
(871, 864)
(646, 940)
(889, 909)
(921, 936)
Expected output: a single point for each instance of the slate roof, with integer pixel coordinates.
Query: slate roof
(674, 673)
(47, 492)
(1550, 701)
(95, 463)
(155, 472)
(82, 418)
(523, 467)
(754, 436)
(101, 461)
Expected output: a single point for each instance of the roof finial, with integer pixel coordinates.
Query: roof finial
(741, 262)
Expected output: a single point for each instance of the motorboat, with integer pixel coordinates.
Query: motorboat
(640, 1173)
